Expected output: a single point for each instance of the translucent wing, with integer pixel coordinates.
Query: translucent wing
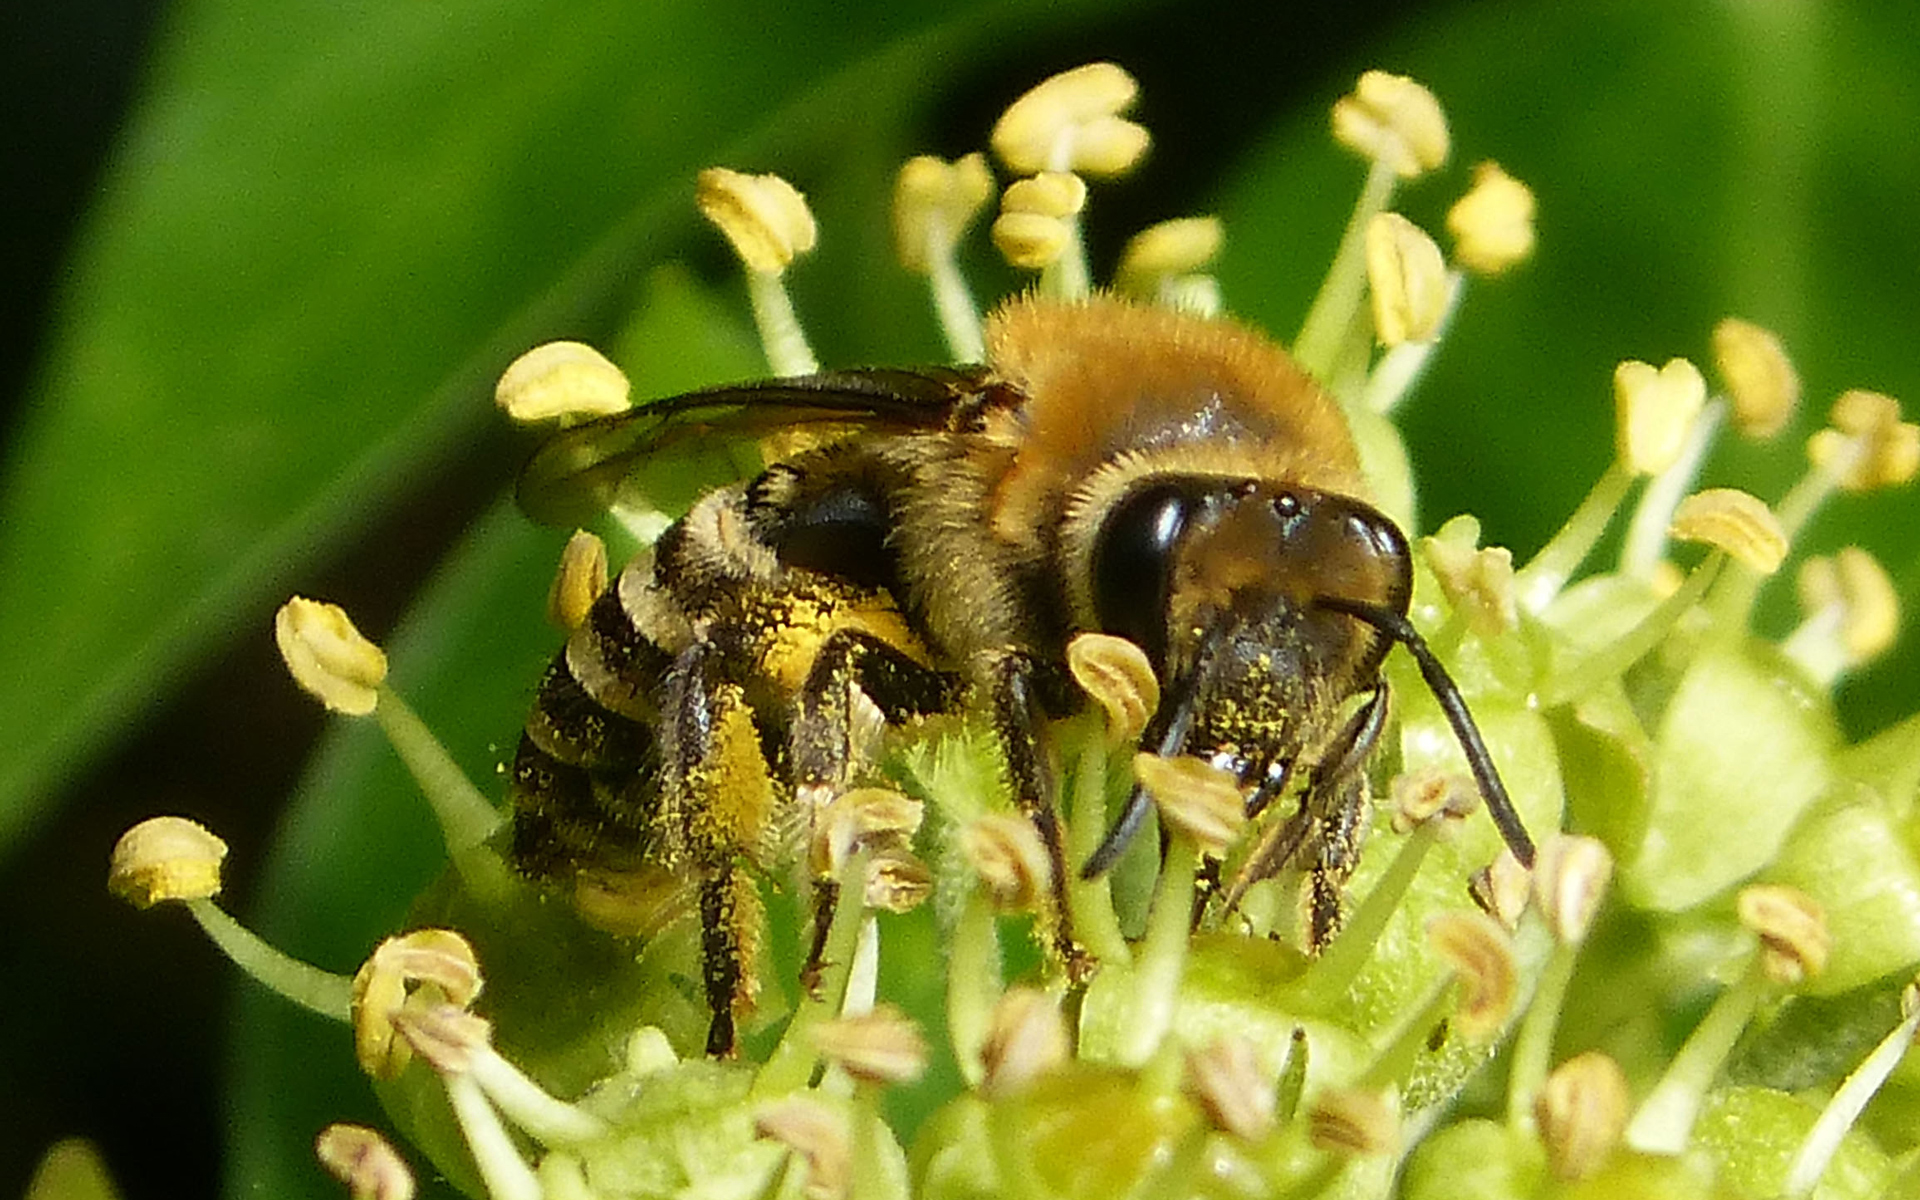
(659, 455)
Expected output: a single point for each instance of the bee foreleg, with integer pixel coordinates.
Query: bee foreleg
(1335, 801)
(1016, 712)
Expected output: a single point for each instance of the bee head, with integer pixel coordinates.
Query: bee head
(1228, 578)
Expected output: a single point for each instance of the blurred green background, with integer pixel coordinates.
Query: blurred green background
(263, 360)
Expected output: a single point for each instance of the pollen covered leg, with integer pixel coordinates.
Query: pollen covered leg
(719, 804)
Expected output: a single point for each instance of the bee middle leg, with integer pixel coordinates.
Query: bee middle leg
(823, 745)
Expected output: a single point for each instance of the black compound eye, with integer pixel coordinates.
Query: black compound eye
(1133, 564)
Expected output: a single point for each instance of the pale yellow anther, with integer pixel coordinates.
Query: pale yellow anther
(562, 381)
(1761, 382)
(881, 1046)
(815, 1132)
(1177, 247)
(165, 858)
(1581, 1111)
(448, 1037)
(1225, 1078)
(1854, 585)
(1005, 851)
(328, 657)
(1071, 122)
(1868, 446)
(1654, 410)
(868, 816)
(1120, 679)
(933, 203)
(1026, 1038)
(1030, 241)
(1734, 521)
(1353, 1122)
(1492, 225)
(1481, 955)
(1421, 796)
(1502, 889)
(765, 217)
(1395, 120)
(1794, 942)
(580, 580)
(1048, 194)
(1195, 798)
(1570, 879)
(426, 967)
(897, 880)
(1407, 280)
(365, 1162)
(1477, 581)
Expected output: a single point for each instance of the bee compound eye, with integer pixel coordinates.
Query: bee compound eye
(1133, 563)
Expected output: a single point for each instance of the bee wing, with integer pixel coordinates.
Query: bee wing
(662, 454)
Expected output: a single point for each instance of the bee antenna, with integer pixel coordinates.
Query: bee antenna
(1397, 627)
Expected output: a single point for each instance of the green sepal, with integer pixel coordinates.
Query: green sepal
(1752, 1133)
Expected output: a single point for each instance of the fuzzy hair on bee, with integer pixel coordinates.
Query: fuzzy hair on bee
(1172, 479)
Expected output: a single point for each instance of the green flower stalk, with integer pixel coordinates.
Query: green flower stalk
(1680, 998)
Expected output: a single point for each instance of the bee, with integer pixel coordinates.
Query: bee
(1172, 479)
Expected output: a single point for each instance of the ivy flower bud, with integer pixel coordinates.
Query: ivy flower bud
(1734, 521)
(1868, 446)
(1006, 853)
(1492, 225)
(1071, 122)
(764, 217)
(933, 203)
(1353, 1122)
(1570, 879)
(1394, 120)
(1654, 411)
(1195, 797)
(562, 381)
(1407, 278)
(1026, 1038)
(426, 966)
(366, 1162)
(581, 579)
(1854, 588)
(1794, 942)
(1117, 675)
(815, 1132)
(1582, 1111)
(1225, 1079)
(330, 659)
(165, 858)
(1481, 956)
(1760, 379)
(880, 1046)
